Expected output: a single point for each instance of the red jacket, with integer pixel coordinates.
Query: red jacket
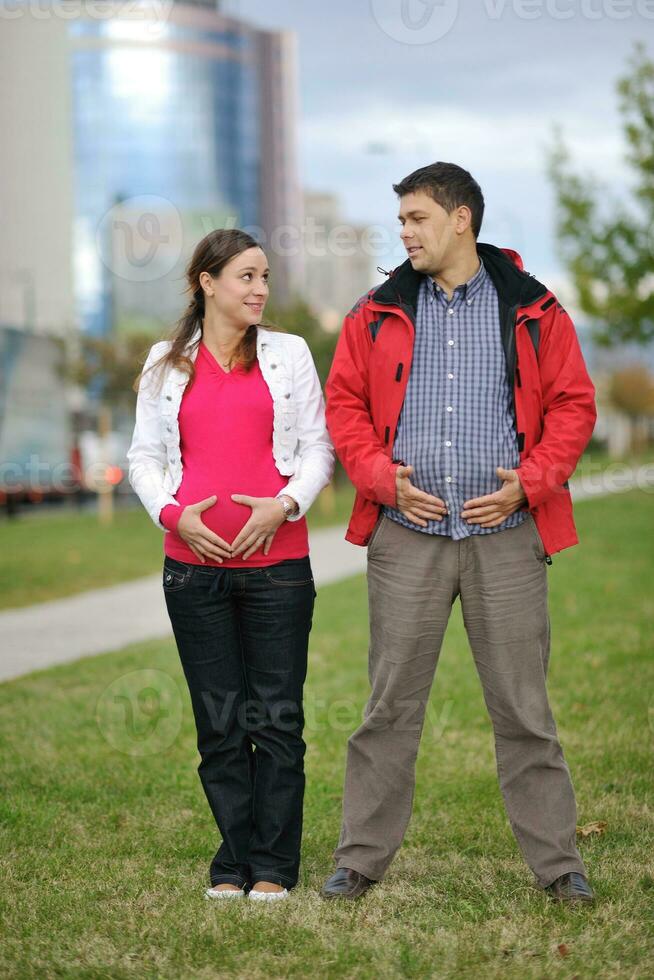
(553, 396)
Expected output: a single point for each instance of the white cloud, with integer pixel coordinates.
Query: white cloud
(503, 143)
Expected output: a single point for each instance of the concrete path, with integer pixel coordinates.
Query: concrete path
(109, 619)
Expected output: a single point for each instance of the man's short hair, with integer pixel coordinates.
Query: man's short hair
(450, 186)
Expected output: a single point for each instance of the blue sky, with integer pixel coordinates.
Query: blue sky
(483, 87)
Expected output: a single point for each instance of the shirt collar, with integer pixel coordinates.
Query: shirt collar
(467, 289)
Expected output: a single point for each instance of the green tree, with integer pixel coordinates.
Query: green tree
(631, 391)
(608, 242)
(107, 367)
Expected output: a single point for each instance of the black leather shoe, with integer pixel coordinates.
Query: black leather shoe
(571, 887)
(346, 883)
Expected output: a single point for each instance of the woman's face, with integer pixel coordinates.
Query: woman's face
(240, 291)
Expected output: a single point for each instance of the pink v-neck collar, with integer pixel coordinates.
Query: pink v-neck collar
(215, 365)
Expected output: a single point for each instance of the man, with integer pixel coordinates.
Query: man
(459, 404)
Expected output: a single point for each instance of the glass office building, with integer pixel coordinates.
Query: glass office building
(132, 135)
(175, 116)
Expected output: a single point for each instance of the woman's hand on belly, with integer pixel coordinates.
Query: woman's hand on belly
(267, 515)
(203, 542)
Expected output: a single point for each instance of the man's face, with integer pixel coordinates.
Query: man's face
(428, 232)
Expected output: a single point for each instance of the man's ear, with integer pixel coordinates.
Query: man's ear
(463, 219)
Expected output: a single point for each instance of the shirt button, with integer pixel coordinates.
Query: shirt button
(448, 479)
(451, 312)
(451, 343)
(450, 376)
(449, 408)
(469, 302)
(273, 366)
(448, 443)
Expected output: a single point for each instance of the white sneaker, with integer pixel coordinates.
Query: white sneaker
(223, 893)
(257, 896)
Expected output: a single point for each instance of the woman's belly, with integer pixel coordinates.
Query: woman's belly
(227, 518)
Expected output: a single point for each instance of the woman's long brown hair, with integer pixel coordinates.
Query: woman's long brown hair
(210, 255)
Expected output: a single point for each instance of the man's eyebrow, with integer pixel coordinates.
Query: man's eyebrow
(409, 213)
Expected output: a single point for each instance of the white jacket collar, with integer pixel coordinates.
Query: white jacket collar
(192, 346)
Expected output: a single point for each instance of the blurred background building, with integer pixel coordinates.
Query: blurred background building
(337, 254)
(147, 134)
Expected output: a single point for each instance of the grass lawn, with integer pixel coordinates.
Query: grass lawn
(63, 554)
(106, 834)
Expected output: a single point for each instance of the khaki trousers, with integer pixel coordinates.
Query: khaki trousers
(413, 580)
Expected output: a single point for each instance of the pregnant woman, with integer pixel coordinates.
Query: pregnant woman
(229, 451)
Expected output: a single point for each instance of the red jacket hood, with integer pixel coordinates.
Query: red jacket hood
(515, 257)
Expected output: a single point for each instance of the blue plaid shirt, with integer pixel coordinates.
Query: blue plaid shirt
(456, 423)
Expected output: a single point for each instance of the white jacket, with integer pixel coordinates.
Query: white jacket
(302, 448)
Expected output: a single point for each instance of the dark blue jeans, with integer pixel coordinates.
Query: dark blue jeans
(242, 637)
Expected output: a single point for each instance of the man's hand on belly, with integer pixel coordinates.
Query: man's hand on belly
(418, 506)
(495, 507)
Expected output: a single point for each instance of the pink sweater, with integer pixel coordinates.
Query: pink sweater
(225, 426)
